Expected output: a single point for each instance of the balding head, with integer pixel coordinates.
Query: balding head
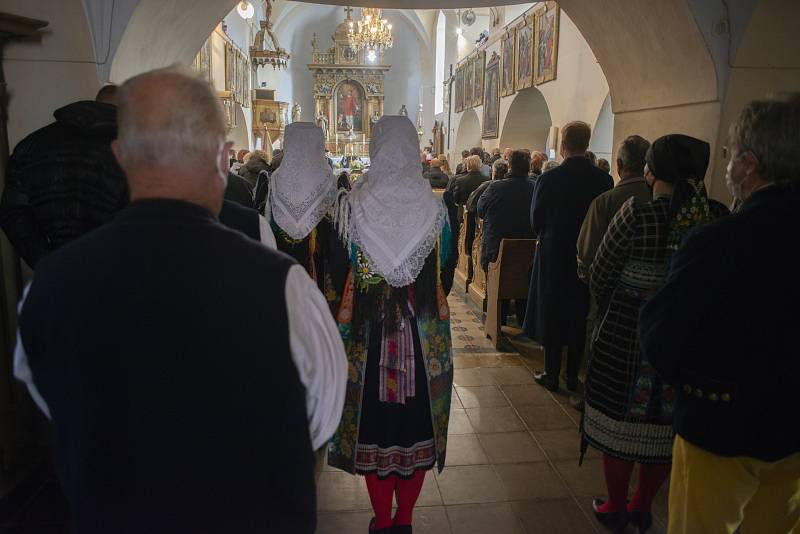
(507, 153)
(171, 140)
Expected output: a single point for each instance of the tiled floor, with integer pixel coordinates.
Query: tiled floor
(512, 463)
(512, 460)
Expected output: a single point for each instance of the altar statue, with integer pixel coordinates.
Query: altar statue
(296, 111)
(403, 111)
(322, 122)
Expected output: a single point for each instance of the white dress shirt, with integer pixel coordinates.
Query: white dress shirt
(265, 230)
(315, 344)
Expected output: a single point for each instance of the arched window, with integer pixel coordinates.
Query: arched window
(438, 105)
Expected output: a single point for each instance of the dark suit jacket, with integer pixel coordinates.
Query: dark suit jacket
(504, 208)
(437, 178)
(462, 186)
(557, 300)
(723, 330)
(239, 191)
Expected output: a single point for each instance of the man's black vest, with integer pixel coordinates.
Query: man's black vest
(176, 403)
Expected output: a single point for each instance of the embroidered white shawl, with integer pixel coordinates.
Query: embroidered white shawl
(394, 217)
(303, 188)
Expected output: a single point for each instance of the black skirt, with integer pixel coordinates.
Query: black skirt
(394, 439)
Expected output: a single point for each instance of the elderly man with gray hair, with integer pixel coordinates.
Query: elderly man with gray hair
(723, 332)
(189, 371)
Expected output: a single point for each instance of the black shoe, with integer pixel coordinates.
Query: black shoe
(616, 521)
(402, 529)
(373, 530)
(543, 379)
(642, 520)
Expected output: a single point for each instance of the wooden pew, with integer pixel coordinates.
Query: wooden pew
(463, 274)
(508, 278)
(477, 287)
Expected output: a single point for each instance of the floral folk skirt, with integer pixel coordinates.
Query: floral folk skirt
(394, 439)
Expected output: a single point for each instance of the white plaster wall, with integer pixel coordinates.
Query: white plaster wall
(46, 75)
(602, 143)
(577, 93)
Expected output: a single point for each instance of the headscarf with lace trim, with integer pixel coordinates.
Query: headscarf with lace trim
(682, 161)
(303, 188)
(391, 214)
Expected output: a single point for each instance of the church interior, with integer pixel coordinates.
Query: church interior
(466, 75)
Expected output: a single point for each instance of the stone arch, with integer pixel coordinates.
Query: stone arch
(602, 143)
(469, 133)
(527, 121)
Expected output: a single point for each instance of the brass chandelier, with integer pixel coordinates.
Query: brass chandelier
(372, 32)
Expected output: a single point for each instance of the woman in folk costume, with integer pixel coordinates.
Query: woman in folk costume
(301, 196)
(628, 414)
(395, 323)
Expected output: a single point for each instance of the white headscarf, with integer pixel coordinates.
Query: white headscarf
(394, 218)
(303, 188)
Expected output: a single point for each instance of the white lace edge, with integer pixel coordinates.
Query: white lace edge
(300, 229)
(408, 270)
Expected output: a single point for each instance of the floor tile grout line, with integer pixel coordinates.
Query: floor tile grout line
(551, 462)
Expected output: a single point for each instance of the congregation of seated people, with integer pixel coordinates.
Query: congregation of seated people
(321, 312)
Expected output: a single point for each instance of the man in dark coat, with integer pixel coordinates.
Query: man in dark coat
(461, 167)
(238, 190)
(462, 186)
(723, 332)
(180, 402)
(62, 180)
(504, 208)
(435, 176)
(558, 301)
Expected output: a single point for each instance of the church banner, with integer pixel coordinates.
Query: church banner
(507, 63)
(523, 52)
(547, 20)
(491, 99)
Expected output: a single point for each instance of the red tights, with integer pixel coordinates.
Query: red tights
(618, 477)
(380, 495)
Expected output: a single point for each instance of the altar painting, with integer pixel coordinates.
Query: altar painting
(349, 107)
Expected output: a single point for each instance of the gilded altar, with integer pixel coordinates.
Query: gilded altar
(348, 91)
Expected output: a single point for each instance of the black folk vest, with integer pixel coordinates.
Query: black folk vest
(176, 403)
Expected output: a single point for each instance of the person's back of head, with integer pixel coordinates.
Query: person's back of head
(465, 154)
(499, 169)
(591, 156)
(240, 156)
(473, 164)
(765, 145)
(476, 151)
(519, 163)
(603, 163)
(549, 164)
(575, 137)
(537, 160)
(435, 163)
(107, 94)
(171, 140)
(507, 153)
(631, 156)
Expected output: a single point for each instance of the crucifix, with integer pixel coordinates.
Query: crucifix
(349, 11)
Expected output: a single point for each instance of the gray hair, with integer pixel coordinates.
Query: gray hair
(499, 169)
(632, 152)
(169, 118)
(549, 164)
(770, 129)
